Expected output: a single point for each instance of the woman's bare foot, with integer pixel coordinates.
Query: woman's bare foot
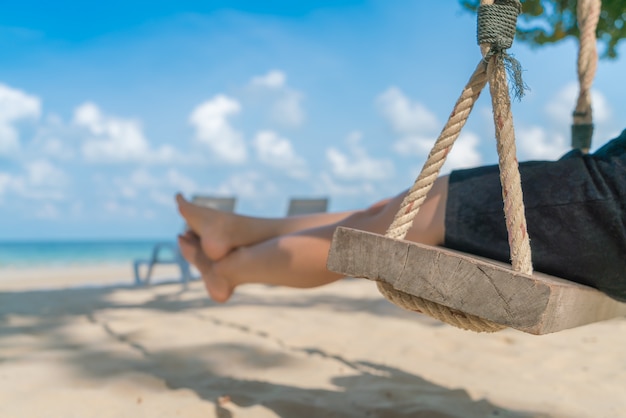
(211, 225)
(218, 287)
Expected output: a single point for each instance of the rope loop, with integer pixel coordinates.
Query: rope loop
(496, 27)
(497, 24)
(588, 14)
(497, 20)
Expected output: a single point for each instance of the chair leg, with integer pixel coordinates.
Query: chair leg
(136, 267)
(185, 271)
(143, 281)
(149, 273)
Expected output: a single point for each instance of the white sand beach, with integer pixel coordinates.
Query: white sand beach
(337, 351)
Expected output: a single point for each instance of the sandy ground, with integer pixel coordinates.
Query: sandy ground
(337, 351)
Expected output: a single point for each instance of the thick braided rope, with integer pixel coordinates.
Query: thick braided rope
(442, 313)
(437, 156)
(519, 242)
(417, 194)
(588, 14)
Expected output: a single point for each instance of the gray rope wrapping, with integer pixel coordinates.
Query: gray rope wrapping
(496, 27)
(582, 135)
(497, 23)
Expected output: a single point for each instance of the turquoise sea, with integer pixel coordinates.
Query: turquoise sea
(68, 253)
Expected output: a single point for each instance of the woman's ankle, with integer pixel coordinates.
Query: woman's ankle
(225, 273)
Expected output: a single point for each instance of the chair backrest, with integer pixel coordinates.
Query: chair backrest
(307, 206)
(225, 204)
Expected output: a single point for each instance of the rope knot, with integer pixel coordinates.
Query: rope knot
(497, 24)
(496, 27)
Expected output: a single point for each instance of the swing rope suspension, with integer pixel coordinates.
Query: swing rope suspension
(588, 14)
(497, 21)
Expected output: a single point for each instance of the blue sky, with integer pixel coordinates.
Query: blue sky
(107, 109)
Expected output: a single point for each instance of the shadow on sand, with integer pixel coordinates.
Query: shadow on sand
(367, 389)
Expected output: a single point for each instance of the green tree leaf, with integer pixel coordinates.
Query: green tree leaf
(550, 21)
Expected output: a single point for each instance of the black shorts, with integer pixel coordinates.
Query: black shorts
(575, 211)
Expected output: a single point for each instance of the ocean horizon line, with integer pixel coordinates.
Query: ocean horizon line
(85, 240)
(78, 252)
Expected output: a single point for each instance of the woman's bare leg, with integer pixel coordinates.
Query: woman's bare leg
(298, 259)
(220, 232)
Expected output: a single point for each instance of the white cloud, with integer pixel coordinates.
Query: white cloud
(273, 79)
(160, 189)
(113, 139)
(167, 154)
(116, 209)
(9, 139)
(55, 139)
(414, 145)
(601, 110)
(15, 105)
(180, 182)
(357, 164)
(416, 126)
(554, 140)
(278, 152)
(7, 182)
(286, 108)
(47, 211)
(247, 185)
(40, 181)
(89, 115)
(551, 141)
(560, 108)
(536, 143)
(464, 153)
(56, 148)
(213, 129)
(42, 173)
(43, 181)
(162, 198)
(334, 188)
(126, 191)
(142, 178)
(406, 118)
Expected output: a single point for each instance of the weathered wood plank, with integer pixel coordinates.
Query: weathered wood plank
(537, 304)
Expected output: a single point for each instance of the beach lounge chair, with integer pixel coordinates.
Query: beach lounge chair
(169, 253)
(298, 206)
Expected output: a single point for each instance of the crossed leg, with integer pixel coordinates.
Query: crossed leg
(230, 250)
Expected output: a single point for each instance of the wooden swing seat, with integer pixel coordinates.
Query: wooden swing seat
(537, 304)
